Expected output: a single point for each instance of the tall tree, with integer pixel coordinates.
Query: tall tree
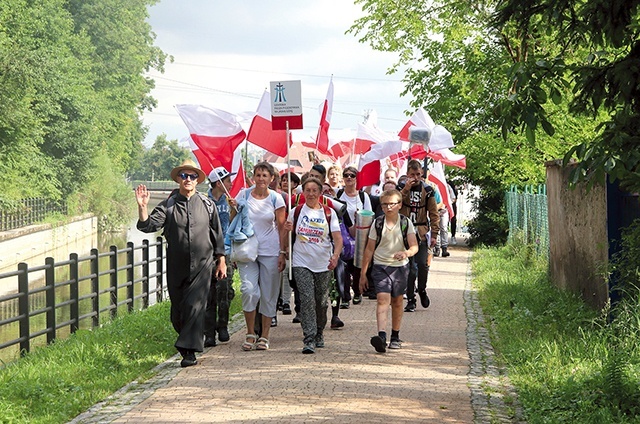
(157, 162)
(607, 77)
(462, 70)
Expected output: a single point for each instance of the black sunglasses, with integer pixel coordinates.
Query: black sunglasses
(185, 176)
(349, 176)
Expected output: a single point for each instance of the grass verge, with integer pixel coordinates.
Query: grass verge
(55, 383)
(569, 364)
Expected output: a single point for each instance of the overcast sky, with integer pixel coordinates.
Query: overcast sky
(226, 53)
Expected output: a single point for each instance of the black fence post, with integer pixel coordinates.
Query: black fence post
(113, 279)
(95, 287)
(23, 307)
(74, 309)
(145, 273)
(130, 274)
(50, 277)
(160, 270)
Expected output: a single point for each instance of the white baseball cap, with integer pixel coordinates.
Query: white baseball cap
(219, 174)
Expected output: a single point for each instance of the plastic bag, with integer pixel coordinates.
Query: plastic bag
(244, 251)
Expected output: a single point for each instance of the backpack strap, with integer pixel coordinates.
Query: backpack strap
(404, 227)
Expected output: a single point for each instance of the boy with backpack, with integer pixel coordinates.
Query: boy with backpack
(392, 241)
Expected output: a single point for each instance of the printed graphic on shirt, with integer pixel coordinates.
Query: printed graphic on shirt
(414, 202)
(311, 230)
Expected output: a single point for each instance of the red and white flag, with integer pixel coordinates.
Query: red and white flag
(436, 176)
(260, 132)
(216, 133)
(238, 181)
(440, 137)
(420, 119)
(322, 140)
(369, 167)
(447, 157)
(367, 136)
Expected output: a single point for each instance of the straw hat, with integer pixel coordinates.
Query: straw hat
(187, 165)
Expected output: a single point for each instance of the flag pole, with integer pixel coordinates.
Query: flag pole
(289, 194)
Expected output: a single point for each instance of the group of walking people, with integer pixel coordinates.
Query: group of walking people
(305, 243)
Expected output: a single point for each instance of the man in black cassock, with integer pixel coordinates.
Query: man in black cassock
(194, 244)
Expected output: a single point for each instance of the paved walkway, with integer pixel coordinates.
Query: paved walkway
(444, 372)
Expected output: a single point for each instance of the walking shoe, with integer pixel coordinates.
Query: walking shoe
(379, 344)
(286, 309)
(357, 299)
(445, 253)
(319, 341)
(436, 251)
(274, 321)
(209, 341)
(296, 319)
(223, 335)
(188, 358)
(336, 323)
(344, 305)
(411, 306)
(395, 344)
(424, 299)
(453, 240)
(309, 348)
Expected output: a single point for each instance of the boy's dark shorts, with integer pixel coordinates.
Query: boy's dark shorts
(390, 279)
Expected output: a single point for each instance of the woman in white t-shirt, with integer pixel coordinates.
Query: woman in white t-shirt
(314, 256)
(259, 280)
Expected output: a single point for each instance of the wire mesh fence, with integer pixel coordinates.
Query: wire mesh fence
(528, 217)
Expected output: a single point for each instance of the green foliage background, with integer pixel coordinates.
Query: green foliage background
(72, 92)
(499, 88)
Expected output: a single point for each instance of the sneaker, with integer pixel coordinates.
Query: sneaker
(319, 341)
(344, 305)
(445, 252)
(436, 251)
(424, 299)
(296, 319)
(274, 321)
(379, 344)
(395, 344)
(453, 240)
(336, 323)
(357, 299)
(286, 309)
(309, 348)
(411, 306)
(223, 335)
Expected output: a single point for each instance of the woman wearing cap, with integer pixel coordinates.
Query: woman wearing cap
(259, 280)
(194, 241)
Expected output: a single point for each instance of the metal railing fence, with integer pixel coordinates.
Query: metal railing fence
(59, 298)
(28, 211)
(528, 216)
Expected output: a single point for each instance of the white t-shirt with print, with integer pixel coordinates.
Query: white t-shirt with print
(312, 248)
